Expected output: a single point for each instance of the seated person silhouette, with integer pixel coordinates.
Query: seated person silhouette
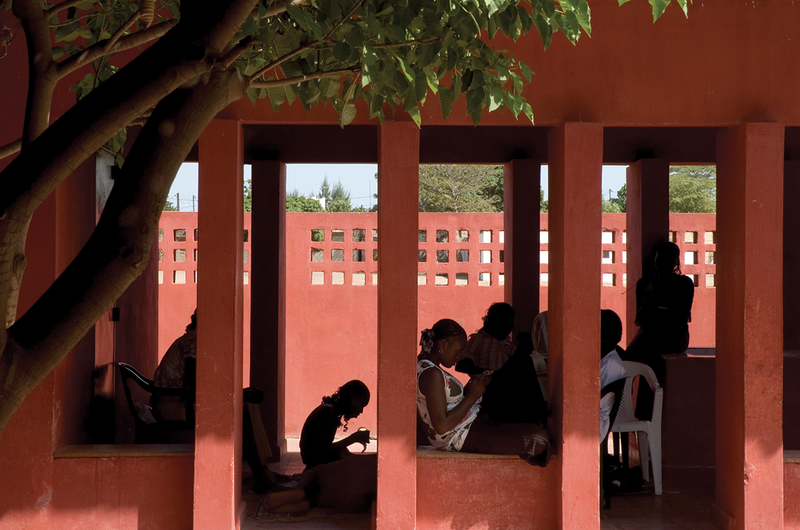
(334, 478)
(177, 369)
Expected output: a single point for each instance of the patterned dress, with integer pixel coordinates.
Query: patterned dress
(453, 439)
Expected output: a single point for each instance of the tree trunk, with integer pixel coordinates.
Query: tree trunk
(118, 250)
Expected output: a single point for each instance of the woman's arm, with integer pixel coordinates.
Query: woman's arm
(431, 384)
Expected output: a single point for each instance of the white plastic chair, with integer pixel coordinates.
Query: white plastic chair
(649, 432)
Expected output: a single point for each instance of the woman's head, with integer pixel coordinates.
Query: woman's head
(499, 320)
(666, 258)
(349, 399)
(443, 342)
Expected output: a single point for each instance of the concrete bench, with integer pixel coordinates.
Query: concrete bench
(123, 486)
(462, 490)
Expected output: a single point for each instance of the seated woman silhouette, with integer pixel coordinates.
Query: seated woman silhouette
(452, 413)
(513, 394)
(334, 478)
(177, 369)
(663, 311)
(316, 439)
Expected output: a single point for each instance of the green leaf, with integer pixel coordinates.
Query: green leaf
(517, 80)
(544, 29)
(495, 97)
(277, 96)
(406, 69)
(252, 95)
(347, 113)
(526, 71)
(375, 105)
(304, 19)
(446, 101)
(659, 6)
(414, 113)
(433, 80)
(528, 111)
(421, 88)
(119, 159)
(341, 50)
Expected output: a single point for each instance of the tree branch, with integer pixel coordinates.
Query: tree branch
(274, 83)
(62, 6)
(235, 52)
(117, 43)
(10, 149)
(427, 40)
(41, 68)
(342, 20)
(281, 8)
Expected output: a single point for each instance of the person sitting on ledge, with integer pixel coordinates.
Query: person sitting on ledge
(452, 413)
(491, 346)
(316, 439)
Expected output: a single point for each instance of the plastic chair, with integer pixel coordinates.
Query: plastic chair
(148, 429)
(649, 432)
(617, 388)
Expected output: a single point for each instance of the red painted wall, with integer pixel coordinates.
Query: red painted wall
(331, 327)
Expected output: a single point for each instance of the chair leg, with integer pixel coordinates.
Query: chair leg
(655, 459)
(643, 454)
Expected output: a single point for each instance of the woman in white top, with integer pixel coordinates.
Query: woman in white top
(452, 413)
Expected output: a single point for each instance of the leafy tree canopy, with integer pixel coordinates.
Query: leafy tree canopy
(302, 204)
(693, 189)
(169, 207)
(460, 188)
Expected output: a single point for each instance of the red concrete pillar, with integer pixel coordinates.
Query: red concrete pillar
(648, 191)
(520, 200)
(749, 367)
(398, 221)
(791, 254)
(575, 160)
(268, 297)
(218, 430)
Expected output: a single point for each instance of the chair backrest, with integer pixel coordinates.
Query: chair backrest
(618, 389)
(626, 409)
(129, 373)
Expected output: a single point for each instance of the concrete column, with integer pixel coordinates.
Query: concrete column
(749, 366)
(648, 191)
(398, 221)
(520, 206)
(575, 166)
(268, 298)
(218, 428)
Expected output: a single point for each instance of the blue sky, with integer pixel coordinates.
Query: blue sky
(357, 178)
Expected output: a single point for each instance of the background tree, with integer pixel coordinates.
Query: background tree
(543, 204)
(460, 188)
(331, 52)
(169, 207)
(621, 200)
(303, 204)
(248, 195)
(339, 200)
(692, 189)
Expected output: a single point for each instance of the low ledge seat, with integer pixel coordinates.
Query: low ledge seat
(126, 451)
(467, 490)
(430, 452)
